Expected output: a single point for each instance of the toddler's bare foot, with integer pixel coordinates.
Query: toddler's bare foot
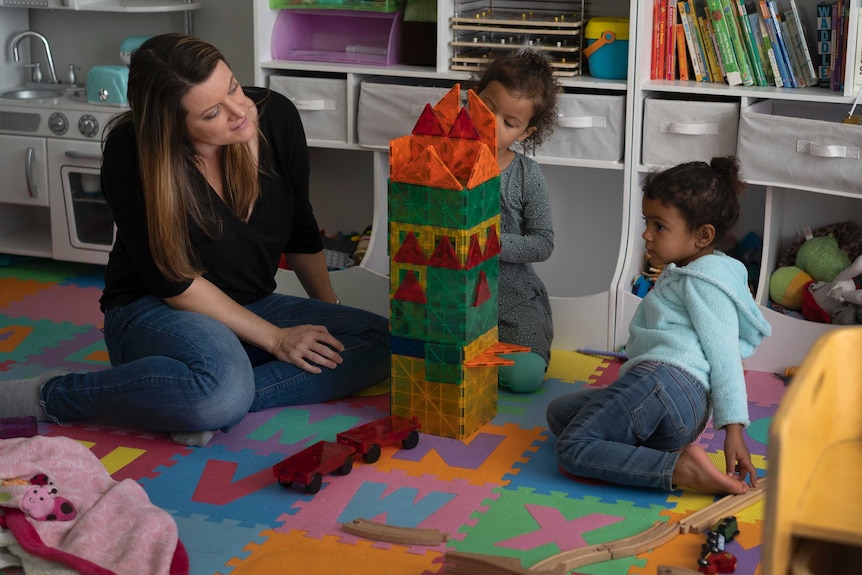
(694, 470)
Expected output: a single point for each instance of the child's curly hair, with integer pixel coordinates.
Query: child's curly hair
(528, 74)
(704, 193)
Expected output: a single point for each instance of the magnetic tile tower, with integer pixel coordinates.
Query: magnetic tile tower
(444, 218)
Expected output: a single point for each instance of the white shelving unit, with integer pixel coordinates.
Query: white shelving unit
(775, 212)
(585, 265)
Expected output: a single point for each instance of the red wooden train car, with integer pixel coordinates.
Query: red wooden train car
(367, 439)
(310, 465)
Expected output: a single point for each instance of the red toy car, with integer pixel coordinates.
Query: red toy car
(367, 439)
(714, 563)
(309, 465)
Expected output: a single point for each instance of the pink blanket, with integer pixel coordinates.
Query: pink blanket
(61, 504)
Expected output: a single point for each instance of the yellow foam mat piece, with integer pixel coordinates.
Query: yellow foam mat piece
(571, 366)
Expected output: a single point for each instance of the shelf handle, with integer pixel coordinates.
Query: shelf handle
(317, 105)
(32, 190)
(582, 121)
(688, 129)
(827, 150)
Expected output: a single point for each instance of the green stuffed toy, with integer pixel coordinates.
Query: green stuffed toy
(822, 258)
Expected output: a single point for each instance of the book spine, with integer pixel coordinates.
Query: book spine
(742, 60)
(792, 54)
(725, 47)
(698, 27)
(750, 42)
(777, 80)
(681, 52)
(716, 50)
(693, 49)
(799, 25)
(670, 42)
(660, 40)
(778, 46)
(839, 48)
(715, 70)
(824, 44)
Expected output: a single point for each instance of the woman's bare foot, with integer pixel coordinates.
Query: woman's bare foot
(695, 470)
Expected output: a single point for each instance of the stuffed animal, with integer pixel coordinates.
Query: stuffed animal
(786, 286)
(822, 258)
(839, 301)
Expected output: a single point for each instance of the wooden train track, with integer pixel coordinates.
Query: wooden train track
(655, 536)
(394, 534)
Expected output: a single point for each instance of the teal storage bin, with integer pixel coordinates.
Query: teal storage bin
(607, 48)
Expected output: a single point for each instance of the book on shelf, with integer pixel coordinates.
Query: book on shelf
(796, 23)
(733, 75)
(774, 71)
(824, 43)
(732, 23)
(657, 71)
(704, 32)
(692, 41)
(716, 51)
(681, 52)
(778, 45)
(670, 41)
(792, 53)
(751, 42)
(839, 37)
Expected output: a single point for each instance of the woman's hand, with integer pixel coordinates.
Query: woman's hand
(737, 456)
(308, 347)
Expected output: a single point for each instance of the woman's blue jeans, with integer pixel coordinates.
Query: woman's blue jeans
(178, 371)
(630, 432)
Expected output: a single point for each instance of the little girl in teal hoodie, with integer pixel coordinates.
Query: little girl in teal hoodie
(686, 343)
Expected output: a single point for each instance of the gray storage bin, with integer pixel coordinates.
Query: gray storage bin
(322, 104)
(677, 131)
(800, 145)
(589, 127)
(389, 109)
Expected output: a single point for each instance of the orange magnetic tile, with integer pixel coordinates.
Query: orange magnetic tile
(428, 123)
(483, 291)
(410, 251)
(484, 168)
(427, 169)
(399, 154)
(501, 347)
(488, 360)
(448, 106)
(484, 120)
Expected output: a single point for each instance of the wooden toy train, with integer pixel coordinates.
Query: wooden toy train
(310, 465)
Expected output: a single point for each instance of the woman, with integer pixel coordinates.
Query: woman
(208, 186)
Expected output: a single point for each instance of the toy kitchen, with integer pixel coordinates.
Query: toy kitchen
(52, 122)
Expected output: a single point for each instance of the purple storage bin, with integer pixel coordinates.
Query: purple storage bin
(351, 36)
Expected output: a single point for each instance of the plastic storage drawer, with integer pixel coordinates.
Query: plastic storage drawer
(389, 110)
(677, 131)
(589, 127)
(800, 145)
(349, 36)
(322, 104)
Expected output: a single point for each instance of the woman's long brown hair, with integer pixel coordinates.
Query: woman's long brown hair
(161, 73)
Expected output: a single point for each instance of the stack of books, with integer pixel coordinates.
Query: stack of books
(737, 42)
